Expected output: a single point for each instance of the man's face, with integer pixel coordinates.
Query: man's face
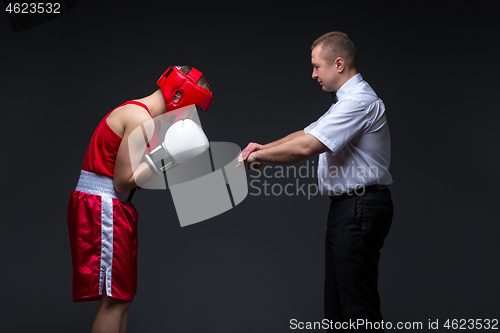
(326, 74)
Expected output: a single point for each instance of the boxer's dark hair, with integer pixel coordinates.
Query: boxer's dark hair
(201, 81)
(336, 44)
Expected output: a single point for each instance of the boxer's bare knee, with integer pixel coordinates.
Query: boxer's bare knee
(115, 304)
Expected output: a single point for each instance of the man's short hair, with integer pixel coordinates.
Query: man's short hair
(201, 81)
(336, 44)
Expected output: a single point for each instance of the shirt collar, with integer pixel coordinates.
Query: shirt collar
(346, 87)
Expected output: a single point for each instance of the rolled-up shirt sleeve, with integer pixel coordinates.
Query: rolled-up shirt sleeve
(347, 119)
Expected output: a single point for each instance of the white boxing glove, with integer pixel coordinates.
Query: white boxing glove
(184, 141)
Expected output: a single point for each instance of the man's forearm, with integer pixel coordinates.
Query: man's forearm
(253, 147)
(286, 138)
(294, 150)
(287, 152)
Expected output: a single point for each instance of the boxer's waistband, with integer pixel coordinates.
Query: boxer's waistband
(99, 185)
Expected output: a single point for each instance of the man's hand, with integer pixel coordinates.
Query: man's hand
(253, 162)
(252, 146)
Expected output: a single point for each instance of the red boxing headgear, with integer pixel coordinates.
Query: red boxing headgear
(173, 80)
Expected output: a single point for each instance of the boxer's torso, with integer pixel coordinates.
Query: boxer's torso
(100, 157)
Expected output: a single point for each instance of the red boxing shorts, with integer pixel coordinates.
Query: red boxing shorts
(103, 238)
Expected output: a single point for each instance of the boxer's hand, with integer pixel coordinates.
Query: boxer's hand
(183, 141)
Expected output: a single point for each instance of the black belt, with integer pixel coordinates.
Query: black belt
(359, 192)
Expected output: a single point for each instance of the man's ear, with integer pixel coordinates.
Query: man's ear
(339, 64)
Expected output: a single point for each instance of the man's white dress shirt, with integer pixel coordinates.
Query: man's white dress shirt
(356, 132)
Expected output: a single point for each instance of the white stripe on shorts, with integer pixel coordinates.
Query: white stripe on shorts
(106, 244)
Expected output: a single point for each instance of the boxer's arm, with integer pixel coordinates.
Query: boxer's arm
(131, 152)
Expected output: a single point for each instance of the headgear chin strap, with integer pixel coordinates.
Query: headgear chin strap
(173, 81)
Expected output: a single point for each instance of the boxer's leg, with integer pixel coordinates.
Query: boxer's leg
(123, 324)
(111, 315)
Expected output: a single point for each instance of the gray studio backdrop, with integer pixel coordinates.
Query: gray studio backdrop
(260, 264)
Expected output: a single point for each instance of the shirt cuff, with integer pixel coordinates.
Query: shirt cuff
(324, 140)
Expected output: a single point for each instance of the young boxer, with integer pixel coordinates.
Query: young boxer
(102, 221)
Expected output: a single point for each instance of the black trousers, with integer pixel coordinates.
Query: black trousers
(356, 229)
